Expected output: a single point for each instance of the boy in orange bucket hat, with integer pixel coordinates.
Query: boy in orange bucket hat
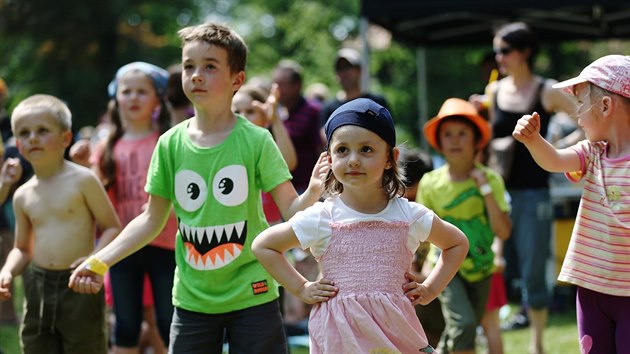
(456, 107)
(472, 197)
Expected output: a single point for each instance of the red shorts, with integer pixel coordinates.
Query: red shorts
(497, 297)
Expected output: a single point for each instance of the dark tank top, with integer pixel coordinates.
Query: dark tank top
(525, 172)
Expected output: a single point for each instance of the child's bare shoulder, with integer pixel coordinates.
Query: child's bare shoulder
(22, 191)
(72, 179)
(80, 174)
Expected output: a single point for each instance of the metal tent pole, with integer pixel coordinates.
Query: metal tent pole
(423, 97)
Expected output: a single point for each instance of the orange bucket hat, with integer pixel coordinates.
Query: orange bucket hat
(461, 108)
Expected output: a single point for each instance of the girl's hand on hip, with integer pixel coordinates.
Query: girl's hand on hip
(318, 291)
(416, 292)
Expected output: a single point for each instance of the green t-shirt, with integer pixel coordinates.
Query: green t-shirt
(461, 204)
(216, 196)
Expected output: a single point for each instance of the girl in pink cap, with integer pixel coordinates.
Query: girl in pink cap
(598, 257)
(364, 236)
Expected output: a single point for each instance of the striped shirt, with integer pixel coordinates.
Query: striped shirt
(598, 257)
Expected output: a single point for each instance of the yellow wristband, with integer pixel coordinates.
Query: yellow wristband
(96, 265)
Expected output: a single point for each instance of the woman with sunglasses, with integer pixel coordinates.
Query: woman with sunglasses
(521, 91)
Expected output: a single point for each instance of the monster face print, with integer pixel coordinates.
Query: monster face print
(211, 247)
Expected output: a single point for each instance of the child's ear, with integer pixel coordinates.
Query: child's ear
(607, 105)
(238, 81)
(67, 138)
(395, 155)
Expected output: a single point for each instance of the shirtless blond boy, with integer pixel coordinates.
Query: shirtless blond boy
(56, 212)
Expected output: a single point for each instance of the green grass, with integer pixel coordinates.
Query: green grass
(560, 334)
(9, 340)
(9, 334)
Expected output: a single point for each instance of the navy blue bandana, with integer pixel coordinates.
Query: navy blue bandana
(365, 113)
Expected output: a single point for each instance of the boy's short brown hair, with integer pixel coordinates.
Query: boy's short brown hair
(44, 103)
(220, 36)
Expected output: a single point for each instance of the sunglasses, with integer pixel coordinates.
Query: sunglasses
(503, 50)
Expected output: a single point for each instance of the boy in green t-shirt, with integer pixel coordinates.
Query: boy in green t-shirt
(212, 169)
(472, 197)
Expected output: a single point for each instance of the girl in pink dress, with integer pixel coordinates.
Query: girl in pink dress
(364, 236)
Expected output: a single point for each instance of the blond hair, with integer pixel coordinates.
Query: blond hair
(597, 93)
(44, 103)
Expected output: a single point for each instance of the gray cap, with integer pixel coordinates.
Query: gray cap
(351, 55)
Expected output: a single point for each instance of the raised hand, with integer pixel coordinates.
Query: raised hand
(11, 171)
(320, 170)
(479, 176)
(80, 152)
(527, 128)
(269, 109)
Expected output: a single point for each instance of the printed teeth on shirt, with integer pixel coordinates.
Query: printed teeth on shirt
(213, 247)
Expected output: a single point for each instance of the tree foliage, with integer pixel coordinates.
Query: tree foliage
(72, 49)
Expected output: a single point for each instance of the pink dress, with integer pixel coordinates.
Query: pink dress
(367, 261)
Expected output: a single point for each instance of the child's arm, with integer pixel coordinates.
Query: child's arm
(88, 276)
(9, 175)
(269, 248)
(454, 246)
(22, 252)
(280, 133)
(16, 262)
(287, 199)
(499, 261)
(283, 140)
(102, 210)
(527, 131)
(500, 221)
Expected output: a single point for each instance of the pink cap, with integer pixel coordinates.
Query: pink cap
(612, 73)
